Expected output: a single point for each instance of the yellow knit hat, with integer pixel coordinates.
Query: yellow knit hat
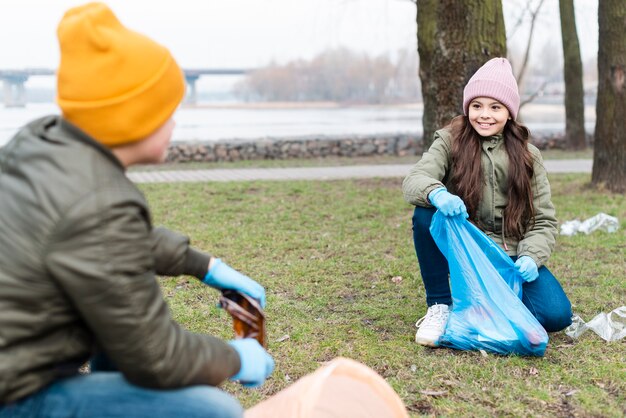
(115, 84)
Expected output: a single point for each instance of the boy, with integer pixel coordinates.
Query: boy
(78, 253)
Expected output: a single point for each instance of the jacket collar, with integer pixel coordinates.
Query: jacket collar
(57, 128)
(497, 137)
(491, 142)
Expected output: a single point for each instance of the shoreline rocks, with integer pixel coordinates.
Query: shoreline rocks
(316, 147)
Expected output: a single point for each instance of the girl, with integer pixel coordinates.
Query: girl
(482, 167)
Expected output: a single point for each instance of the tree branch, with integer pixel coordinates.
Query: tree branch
(533, 20)
(518, 24)
(533, 96)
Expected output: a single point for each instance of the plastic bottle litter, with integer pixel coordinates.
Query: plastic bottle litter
(610, 327)
(599, 222)
(570, 228)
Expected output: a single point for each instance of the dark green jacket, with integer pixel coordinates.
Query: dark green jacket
(78, 258)
(434, 171)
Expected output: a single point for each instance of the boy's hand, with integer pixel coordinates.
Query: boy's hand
(447, 203)
(222, 276)
(527, 268)
(256, 363)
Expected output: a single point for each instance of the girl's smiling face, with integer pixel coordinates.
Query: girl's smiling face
(487, 116)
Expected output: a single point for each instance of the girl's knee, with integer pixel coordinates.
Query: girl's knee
(557, 319)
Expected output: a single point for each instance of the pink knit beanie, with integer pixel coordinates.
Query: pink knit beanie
(494, 79)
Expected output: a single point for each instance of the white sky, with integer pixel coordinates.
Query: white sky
(250, 33)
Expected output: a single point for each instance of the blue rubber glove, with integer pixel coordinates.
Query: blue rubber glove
(222, 276)
(527, 268)
(447, 203)
(256, 363)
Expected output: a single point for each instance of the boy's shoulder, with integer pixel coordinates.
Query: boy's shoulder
(66, 164)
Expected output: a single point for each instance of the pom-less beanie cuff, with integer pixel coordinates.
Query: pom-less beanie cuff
(115, 84)
(134, 116)
(494, 79)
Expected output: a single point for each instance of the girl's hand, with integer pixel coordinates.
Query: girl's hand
(527, 268)
(447, 203)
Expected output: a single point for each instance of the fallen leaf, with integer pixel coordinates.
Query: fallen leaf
(283, 338)
(397, 279)
(434, 393)
(533, 371)
(564, 346)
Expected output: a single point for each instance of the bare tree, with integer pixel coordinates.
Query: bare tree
(454, 39)
(573, 74)
(609, 154)
(335, 75)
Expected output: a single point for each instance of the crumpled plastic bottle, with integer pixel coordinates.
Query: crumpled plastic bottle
(610, 327)
(599, 222)
(570, 228)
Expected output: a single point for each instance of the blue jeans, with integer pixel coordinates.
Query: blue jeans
(109, 395)
(544, 297)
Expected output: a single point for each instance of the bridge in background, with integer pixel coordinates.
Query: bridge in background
(15, 90)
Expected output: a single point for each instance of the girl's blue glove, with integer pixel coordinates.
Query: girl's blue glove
(527, 268)
(447, 203)
(222, 276)
(256, 363)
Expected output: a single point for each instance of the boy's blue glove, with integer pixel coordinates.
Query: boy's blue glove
(527, 268)
(447, 203)
(222, 276)
(256, 363)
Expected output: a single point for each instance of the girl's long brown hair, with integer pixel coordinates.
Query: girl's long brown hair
(467, 176)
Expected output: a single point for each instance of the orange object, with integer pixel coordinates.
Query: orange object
(115, 84)
(248, 316)
(342, 388)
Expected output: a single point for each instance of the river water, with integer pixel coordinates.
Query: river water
(223, 121)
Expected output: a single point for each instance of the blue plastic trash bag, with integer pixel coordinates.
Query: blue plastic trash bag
(487, 310)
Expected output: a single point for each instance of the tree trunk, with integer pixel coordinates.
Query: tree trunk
(454, 39)
(609, 154)
(573, 74)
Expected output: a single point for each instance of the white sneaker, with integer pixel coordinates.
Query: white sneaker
(431, 327)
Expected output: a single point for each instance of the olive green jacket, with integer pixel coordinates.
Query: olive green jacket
(435, 168)
(78, 258)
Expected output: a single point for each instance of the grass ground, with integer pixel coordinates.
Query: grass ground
(327, 252)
